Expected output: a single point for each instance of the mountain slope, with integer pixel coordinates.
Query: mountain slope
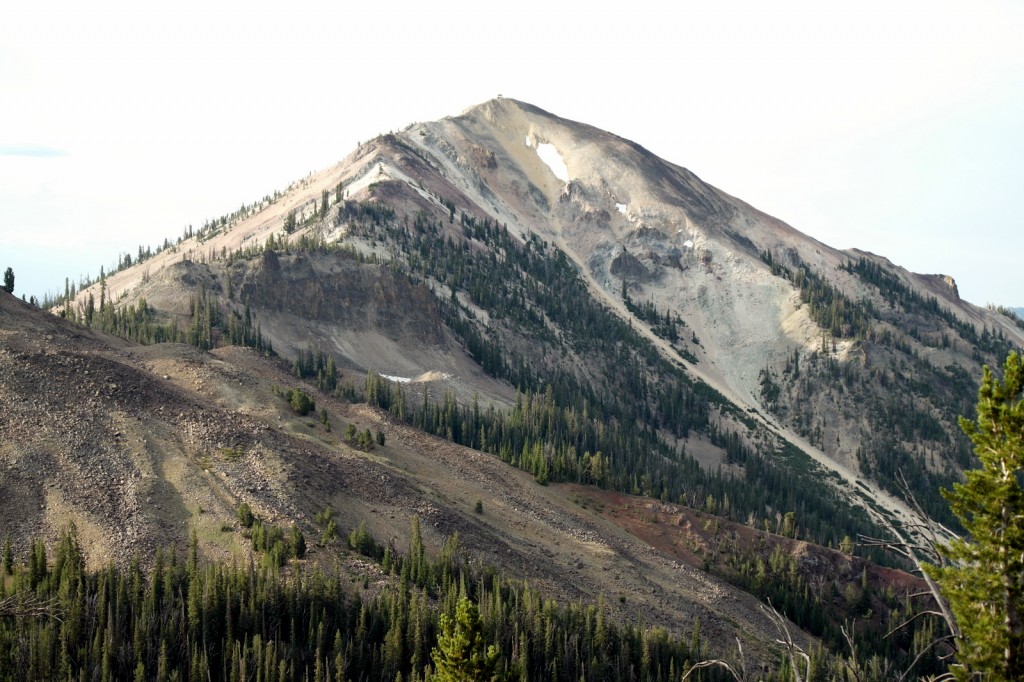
(139, 446)
(796, 335)
(633, 222)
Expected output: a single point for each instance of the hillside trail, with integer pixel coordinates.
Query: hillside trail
(905, 513)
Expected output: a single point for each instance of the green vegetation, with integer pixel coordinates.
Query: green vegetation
(460, 655)
(908, 398)
(1009, 314)
(984, 583)
(825, 605)
(276, 545)
(210, 322)
(9, 280)
(198, 621)
(245, 515)
(620, 426)
(301, 403)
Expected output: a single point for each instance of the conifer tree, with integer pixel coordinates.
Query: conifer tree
(985, 581)
(460, 655)
(9, 280)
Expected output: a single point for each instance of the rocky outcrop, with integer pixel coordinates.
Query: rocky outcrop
(628, 267)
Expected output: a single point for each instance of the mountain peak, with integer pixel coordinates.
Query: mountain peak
(504, 105)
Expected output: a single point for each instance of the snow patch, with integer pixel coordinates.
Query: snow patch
(528, 143)
(423, 378)
(621, 207)
(688, 243)
(548, 153)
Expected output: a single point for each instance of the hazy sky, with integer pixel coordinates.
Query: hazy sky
(895, 127)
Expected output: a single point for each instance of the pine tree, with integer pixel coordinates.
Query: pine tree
(985, 583)
(460, 655)
(9, 280)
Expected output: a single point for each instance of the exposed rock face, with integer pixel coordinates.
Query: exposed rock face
(628, 267)
(951, 284)
(322, 288)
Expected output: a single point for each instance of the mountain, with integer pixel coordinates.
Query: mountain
(535, 314)
(840, 355)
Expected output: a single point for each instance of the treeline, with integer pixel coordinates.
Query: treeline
(909, 403)
(532, 291)
(210, 228)
(619, 435)
(1007, 313)
(192, 620)
(556, 443)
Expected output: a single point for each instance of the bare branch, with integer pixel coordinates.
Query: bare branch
(913, 551)
(904, 548)
(708, 664)
(741, 676)
(792, 648)
(23, 605)
(910, 620)
(915, 595)
(853, 666)
(918, 658)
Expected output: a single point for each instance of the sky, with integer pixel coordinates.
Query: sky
(893, 127)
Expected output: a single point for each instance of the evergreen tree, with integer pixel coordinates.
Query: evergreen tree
(985, 582)
(245, 515)
(9, 280)
(459, 654)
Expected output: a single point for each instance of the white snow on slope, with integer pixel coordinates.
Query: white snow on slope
(397, 380)
(549, 155)
(621, 207)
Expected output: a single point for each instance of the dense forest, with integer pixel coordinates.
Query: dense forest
(392, 619)
(192, 620)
